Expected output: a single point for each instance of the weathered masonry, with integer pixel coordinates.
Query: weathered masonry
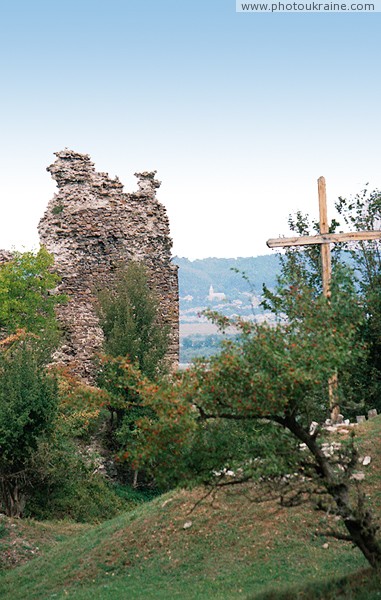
(92, 227)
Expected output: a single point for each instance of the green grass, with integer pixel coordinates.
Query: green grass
(235, 548)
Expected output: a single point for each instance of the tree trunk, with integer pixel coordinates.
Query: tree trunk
(358, 521)
(135, 481)
(14, 499)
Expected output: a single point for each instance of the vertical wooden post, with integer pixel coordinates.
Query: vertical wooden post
(326, 276)
(324, 228)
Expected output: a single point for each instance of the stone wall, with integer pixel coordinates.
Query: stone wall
(5, 256)
(92, 227)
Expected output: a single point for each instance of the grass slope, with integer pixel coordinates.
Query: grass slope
(234, 548)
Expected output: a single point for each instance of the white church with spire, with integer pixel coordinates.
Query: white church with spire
(215, 296)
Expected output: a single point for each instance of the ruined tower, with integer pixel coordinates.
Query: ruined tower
(92, 227)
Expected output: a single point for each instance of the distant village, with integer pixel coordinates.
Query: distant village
(227, 294)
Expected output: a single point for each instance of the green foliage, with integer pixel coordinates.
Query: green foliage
(129, 317)
(278, 376)
(141, 403)
(28, 405)
(301, 274)
(43, 473)
(361, 386)
(122, 382)
(361, 212)
(135, 496)
(206, 418)
(26, 299)
(63, 480)
(65, 485)
(3, 530)
(28, 402)
(359, 287)
(219, 449)
(28, 392)
(193, 346)
(304, 263)
(135, 337)
(56, 210)
(271, 369)
(81, 407)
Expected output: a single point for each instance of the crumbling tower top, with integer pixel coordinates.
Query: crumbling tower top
(92, 227)
(147, 183)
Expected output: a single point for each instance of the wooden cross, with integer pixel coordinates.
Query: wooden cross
(325, 239)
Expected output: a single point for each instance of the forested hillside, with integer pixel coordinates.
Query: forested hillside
(237, 284)
(195, 277)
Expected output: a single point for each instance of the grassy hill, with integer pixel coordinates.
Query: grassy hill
(226, 547)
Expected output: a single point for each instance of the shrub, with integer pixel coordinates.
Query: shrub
(66, 485)
(28, 405)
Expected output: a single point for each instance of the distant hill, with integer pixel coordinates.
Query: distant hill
(232, 295)
(195, 277)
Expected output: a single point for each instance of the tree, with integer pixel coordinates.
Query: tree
(270, 383)
(301, 269)
(28, 403)
(134, 333)
(363, 211)
(359, 261)
(28, 392)
(130, 319)
(27, 300)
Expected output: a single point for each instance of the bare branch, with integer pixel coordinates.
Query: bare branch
(335, 534)
(211, 491)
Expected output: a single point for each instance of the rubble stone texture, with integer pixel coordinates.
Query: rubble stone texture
(92, 228)
(5, 256)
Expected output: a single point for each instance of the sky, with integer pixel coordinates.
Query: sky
(240, 113)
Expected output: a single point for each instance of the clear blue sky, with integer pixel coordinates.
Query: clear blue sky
(239, 113)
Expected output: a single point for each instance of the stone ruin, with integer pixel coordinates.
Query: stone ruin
(5, 256)
(92, 228)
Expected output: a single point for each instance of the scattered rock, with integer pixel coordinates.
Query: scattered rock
(372, 413)
(330, 448)
(360, 419)
(313, 427)
(166, 502)
(358, 476)
(343, 430)
(342, 427)
(187, 525)
(330, 428)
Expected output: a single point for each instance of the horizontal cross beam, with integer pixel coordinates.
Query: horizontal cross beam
(326, 238)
